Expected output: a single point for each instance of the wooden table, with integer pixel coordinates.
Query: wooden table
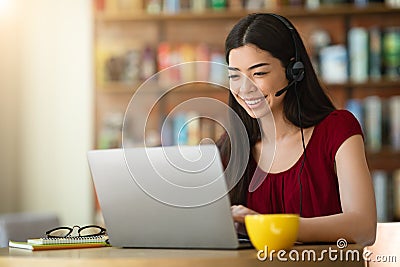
(118, 257)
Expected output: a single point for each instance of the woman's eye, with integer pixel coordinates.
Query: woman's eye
(261, 73)
(233, 77)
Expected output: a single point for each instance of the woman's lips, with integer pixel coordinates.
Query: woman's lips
(253, 101)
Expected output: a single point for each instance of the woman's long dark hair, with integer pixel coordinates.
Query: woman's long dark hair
(270, 34)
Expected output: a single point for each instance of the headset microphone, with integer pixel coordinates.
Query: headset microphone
(284, 89)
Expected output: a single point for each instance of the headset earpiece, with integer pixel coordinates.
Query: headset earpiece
(295, 71)
(295, 68)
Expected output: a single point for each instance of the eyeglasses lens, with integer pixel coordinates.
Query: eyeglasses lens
(90, 231)
(60, 232)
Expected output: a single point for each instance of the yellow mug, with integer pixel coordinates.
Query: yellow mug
(272, 231)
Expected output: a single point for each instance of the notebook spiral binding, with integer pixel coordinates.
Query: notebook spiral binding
(69, 240)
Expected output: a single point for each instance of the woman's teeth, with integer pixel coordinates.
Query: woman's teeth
(253, 102)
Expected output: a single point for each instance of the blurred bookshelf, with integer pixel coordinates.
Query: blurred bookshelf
(358, 40)
(323, 10)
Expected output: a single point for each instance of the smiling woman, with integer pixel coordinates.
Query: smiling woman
(309, 159)
(266, 76)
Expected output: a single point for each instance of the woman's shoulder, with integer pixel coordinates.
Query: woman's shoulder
(335, 128)
(339, 115)
(340, 120)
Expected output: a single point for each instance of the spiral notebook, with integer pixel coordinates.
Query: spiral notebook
(68, 240)
(34, 247)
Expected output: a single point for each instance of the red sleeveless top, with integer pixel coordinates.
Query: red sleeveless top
(280, 192)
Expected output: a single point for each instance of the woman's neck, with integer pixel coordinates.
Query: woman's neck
(276, 125)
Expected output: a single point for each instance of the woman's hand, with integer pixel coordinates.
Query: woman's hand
(239, 212)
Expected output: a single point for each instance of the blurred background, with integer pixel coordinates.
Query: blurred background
(68, 69)
(46, 108)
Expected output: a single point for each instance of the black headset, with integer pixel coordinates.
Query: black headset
(295, 68)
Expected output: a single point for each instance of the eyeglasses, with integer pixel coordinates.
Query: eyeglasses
(75, 231)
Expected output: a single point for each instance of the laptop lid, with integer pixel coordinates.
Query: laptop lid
(164, 197)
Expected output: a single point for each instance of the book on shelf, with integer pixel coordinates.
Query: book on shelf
(131, 6)
(153, 6)
(373, 123)
(332, 2)
(333, 63)
(193, 126)
(387, 194)
(185, 5)
(110, 130)
(394, 124)
(171, 6)
(202, 52)
(312, 4)
(380, 120)
(380, 181)
(37, 244)
(358, 54)
(234, 4)
(218, 72)
(375, 53)
(180, 129)
(121, 63)
(396, 194)
(190, 128)
(391, 52)
(163, 61)
(166, 132)
(99, 5)
(218, 4)
(360, 3)
(198, 6)
(174, 54)
(111, 6)
(114, 6)
(254, 4)
(393, 3)
(131, 63)
(372, 53)
(148, 63)
(355, 106)
(187, 54)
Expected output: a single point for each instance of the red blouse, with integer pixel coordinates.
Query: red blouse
(280, 192)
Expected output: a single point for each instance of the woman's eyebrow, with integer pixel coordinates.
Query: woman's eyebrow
(250, 68)
(233, 68)
(258, 65)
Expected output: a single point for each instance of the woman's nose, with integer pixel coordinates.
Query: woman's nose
(247, 85)
(242, 84)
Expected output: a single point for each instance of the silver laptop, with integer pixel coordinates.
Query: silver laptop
(164, 197)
